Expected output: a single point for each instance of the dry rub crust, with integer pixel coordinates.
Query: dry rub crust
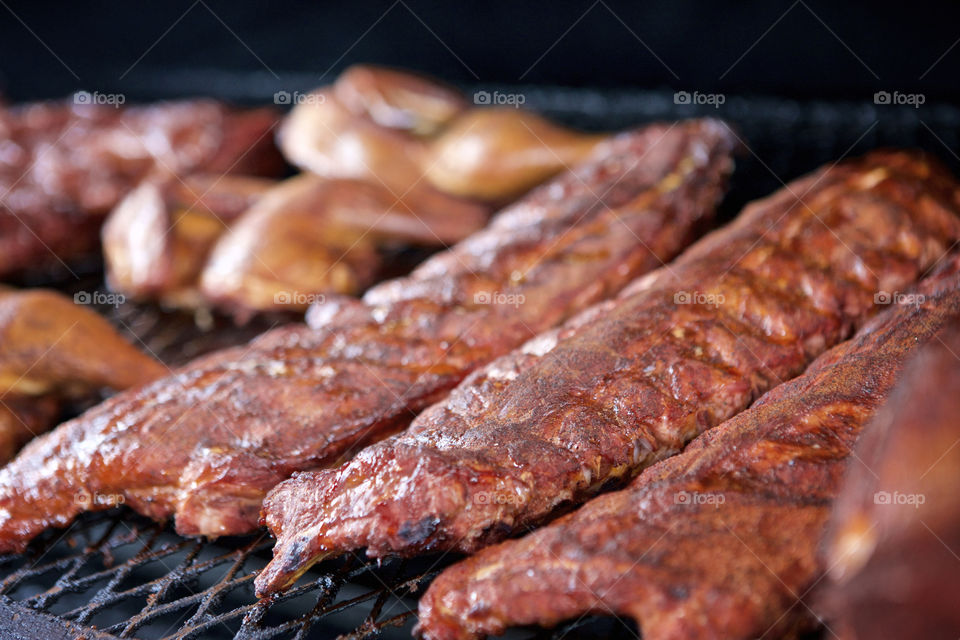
(634, 380)
(720, 541)
(206, 443)
(894, 531)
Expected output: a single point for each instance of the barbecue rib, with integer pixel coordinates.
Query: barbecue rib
(207, 443)
(678, 352)
(894, 533)
(66, 165)
(720, 541)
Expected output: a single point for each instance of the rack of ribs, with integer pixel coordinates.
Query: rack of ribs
(66, 166)
(632, 381)
(207, 443)
(894, 532)
(720, 541)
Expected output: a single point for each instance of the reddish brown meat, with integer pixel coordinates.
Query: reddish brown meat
(719, 542)
(22, 418)
(207, 443)
(64, 166)
(894, 536)
(677, 353)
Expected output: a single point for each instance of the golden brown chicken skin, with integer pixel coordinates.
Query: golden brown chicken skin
(52, 350)
(312, 236)
(721, 541)
(593, 403)
(207, 443)
(157, 240)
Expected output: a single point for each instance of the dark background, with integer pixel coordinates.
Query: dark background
(246, 51)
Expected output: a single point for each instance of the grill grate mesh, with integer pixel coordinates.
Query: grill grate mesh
(116, 575)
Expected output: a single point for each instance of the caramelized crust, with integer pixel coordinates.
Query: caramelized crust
(636, 379)
(206, 443)
(894, 533)
(719, 541)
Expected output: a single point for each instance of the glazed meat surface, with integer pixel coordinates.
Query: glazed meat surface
(206, 443)
(894, 532)
(633, 380)
(719, 542)
(64, 166)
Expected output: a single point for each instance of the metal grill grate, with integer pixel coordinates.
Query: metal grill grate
(117, 575)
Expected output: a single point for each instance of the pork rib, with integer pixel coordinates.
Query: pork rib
(720, 541)
(207, 443)
(634, 380)
(894, 530)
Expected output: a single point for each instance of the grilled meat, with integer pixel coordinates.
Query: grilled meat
(497, 154)
(157, 240)
(22, 418)
(398, 99)
(894, 534)
(50, 344)
(311, 236)
(65, 166)
(413, 134)
(719, 541)
(50, 350)
(594, 403)
(206, 443)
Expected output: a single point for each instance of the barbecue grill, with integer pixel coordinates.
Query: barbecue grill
(117, 575)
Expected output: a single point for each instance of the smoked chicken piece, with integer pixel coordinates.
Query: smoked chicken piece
(52, 349)
(205, 444)
(719, 542)
(157, 240)
(398, 99)
(894, 534)
(595, 402)
(49, 344)
(496, 154)
(65, 166)
(312, 236)
(412, 133)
